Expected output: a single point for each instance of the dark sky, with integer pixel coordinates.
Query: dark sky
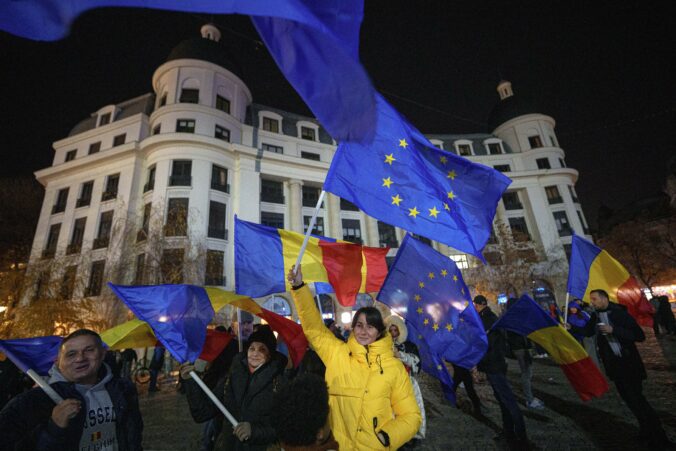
(603, 70)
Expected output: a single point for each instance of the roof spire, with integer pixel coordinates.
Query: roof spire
(505, 89)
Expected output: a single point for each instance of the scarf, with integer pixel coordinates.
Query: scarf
(615, 345)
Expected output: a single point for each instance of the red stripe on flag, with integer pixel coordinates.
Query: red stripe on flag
(586, 378)
(631, 296)
(291, 332)
(343, 266)
(376, 267)
(214, 344)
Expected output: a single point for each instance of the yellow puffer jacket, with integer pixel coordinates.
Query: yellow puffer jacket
(369, 389)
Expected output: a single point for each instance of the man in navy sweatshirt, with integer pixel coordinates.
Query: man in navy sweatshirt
(99, 412)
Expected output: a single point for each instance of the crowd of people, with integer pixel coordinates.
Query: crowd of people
(358, 391)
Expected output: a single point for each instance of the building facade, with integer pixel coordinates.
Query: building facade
(176, 165)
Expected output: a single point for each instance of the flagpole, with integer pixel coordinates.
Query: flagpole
(239, 330)
(565, 314)
(310, 227)
(53, 395)
(214, 399)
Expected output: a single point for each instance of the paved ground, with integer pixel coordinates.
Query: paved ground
(565, 424)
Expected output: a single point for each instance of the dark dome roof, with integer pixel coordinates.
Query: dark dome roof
(206, 50)
(509, 108)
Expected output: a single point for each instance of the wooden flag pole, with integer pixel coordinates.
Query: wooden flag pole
(310, 227)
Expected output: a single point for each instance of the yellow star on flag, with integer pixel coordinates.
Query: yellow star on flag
(417, 298)
(426, 322)
(396, 200)
(443, 159)
(439, 367)
(389, 159)
(462, 290)
(435, 327)
(455, 278)
(419, 337)
(431, 275)
(449, 327)
(444, 273)
(451, 195)
(403, 143)
(419, 310)
(421, 284)
(413, 212)
(451, 175)
(387, 182)
(433, 211)
(446, 207)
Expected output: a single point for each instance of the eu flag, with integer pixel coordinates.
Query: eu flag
(37, 353)
(402, 179)
(427, 289)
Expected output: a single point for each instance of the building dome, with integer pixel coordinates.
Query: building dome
(206, 48)
(509, 106)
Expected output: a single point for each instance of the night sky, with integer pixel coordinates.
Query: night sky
(601, 69)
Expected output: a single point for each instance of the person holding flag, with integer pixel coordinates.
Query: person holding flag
(371, 397)
(616, 334)
(98, 411)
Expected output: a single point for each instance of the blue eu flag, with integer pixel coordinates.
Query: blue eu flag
(402, 179)
(426, 288)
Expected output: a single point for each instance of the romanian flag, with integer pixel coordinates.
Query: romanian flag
(264, 255)
(592, 268)
(527, 318)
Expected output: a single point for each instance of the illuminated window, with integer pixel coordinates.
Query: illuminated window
(460, 260)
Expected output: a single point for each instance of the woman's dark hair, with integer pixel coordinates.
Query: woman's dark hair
(373, 318)
(302, 408)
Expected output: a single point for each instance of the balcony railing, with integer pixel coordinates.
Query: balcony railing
(101, 242)
(513, 206)
(180, 180)
(175, 229)
(148, 187)
(108, 195)
(73, 248)
(221, 234)
(272, 198)
(555, 200)
(84, 202)
(58, 208)
(225, 188)
(48, 253)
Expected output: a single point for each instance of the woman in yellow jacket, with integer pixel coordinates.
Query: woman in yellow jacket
(370, 395)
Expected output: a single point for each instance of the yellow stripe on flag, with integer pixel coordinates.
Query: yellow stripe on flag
(312, 262)
(607, 274)
(132, 334)
(220, 298)
(559, 344)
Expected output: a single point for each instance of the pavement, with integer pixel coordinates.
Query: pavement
(566, 423)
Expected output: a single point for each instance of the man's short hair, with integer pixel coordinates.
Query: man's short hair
(601, 292)
(480, 299)
(80, 333)
(305, 403)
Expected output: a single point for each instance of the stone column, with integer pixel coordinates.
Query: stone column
(371, 235)
(295, 205)
(334, 226)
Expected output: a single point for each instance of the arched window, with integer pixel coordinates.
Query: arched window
(278, 305)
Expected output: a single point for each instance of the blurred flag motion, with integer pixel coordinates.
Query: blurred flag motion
(527, 318)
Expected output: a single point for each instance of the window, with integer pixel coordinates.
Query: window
(85, 194)
(346, 205)
(387, 236)
(511, 200)
(270, 125)
(214, 272)
(307, 133)
(150, 184)
(94, 148)
(139, 277)
(217, 220)
(190, 95)
(553, 196)
(271, 148)
(325, 306)
(181, 173)
(352, 231)
(502, 167)
(119, 139)
(318, 228)
(279, 305)
(309, 155)
(535, 141)
(222, 133)
(111, 187)
(465, 150)
(272, 191)
(52, 240)
(568, 249)
(68, 282)
(422, 239)
(104, 119)
(562, 163)
(163, 100)
(96, 278)
(42, 290)
(185, 126)
(171, 266)
(157, 129)
(543, 163)
(519, 229)
(70, 155)
(583, 222)
(460, 261)
(270, 219)
(61, 201)
(562, 224)
(553, 140)
(78, 234)
(219, 179)
(222, 104)
(494, 148)
(177, 217)
(143, 233)
(573, 194)
(105, 226)
(310, 196)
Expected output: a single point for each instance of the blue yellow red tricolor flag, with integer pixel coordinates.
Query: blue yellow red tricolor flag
(527, 318)
(593, 268)
(264, 255)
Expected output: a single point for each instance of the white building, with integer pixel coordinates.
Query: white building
(198, 144)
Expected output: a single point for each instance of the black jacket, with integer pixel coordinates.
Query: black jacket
(25, 423)
(493, 361)
(247, 396)
(627, 331)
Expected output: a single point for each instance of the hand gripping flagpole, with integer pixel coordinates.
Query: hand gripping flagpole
(213, 398)
(53, 395)
(310, 227)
